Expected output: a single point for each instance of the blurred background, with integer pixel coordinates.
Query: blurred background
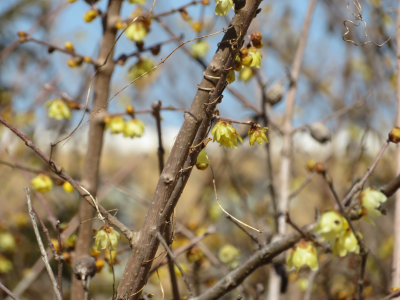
(335, 75)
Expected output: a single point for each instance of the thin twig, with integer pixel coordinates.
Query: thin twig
(392, 295)
(8, 292)
(42, 250)
(59, 258)
(306, 181)
(184, 276)
(255, 240)
(360, 282)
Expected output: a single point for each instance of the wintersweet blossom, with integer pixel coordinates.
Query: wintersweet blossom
(347, 242)
(136, 32)
(202, 160)
(226, 135)
(107, 236)
(90, 15)
(231, 76)
(200, 49)
(371, 201)
(229, 255)
(303, 254)
(116, 125)
(257, 134)
(256, 57)
(222, 7)
(42, 183)
(58, 109)
(142, 66)
(330, 226)
(134, 128)
(246, 74)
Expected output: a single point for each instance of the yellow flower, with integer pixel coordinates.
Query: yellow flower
(226, 135)
(394, 135)
(7, 242)
(231, 76)
(303, 254)
(257, 133)
(330, 226)
(111, 259)
(90, 15)
(197, 26)
(134, 128)
(68, 188)
(256, 57)
(371, 201)
(202, 160)
(116, 125)
(100, 264)
(71, 241)
(42, 183)
(105, 237)
(222, 7)
(200, 49)
(142, 66)
(137, 1)
(246, 74)
(136, 32)
(347, 241)
(229, 255)
(69, 46)
(5, 265)
(58, 109)
(194, 254)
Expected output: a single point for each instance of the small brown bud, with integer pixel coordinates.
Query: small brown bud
(122, 59)
(140, 45)
(129, 109)
(22, 33)
(51, 50)
(155, 50)
(59, 182)
(185, 15)
(22, 39)
(258, 45)
(205, 2)
(320, 168)
(78, 61)
(237, 66)
(107, 119)
(394, 135)
(256, 37)
(73, 105)
(120, 25)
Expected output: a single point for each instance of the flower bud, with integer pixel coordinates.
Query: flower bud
(258, 45)
(67, 187)
(100, 264)
(71, 62)
(394, 135)
(155, 50)
(194, 254)
(106, 237)
(320, 168)
(245, 58)
(69, 46)
(229, 255)
(50, 50)
(87, 59)
(231, 76)
(129, 109)
(22, 33)
(205, 2)
(90, 15)
(7, 242)
(71, 1)
(275, 93)
(320, 132)
(202, 160)
(311, 165)
(122, 59)
(139, 45)
(256, 37)
(237, 66)
(197, 26)
(120, 25)
(185, 15)
(246, 74)
(78, 61)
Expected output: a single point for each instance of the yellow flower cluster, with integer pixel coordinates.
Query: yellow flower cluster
(142, 66)
(335, 229)
(222, 7)
(42, 183)
(58, 109)
(257, 134)
(106, 237)
(303, 254)
(226, 135)
(229, 255)
(371, 201)
(132, 128)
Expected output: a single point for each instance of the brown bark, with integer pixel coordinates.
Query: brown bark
(90, 177)
(172, 180)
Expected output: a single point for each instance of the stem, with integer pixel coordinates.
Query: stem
(8, 292)
(90, 176)
(160, 152)
(41, 247)
(286, 157)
